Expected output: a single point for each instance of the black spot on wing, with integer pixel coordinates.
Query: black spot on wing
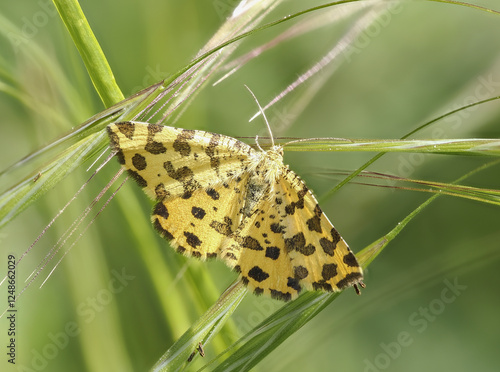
(314, 223)
(277, 228)
(317, 210)
(350, 260)
(257, 274)
(299, 204)
(185, 176)
(329, 271)
(298, 243)
(153, 129)
(335, 236)
(192, 239)
(139, 162)
(245, 280)
(322, 286)
(293, 283)
(181, 174)
(160, 192)
(137, 178)
(282, 296)
(198, 213)
(273, 252)
(295, 241)
(211, 151)
(349, 280)
(307, 250)
(181, 144)
(230, 256)
(212, 193)
(258, 291)
(153, 146)
(251, 243)
(127, 129)
(161, 210)
(162, 231)
(300, 272)
(223, 228)
(115, 145)
(328, 246)
(290, 209)
(121, 158)
(302, 192)
(187, 194)
(212, 145)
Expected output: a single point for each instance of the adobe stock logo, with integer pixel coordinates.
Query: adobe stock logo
(32, 23)
(485, 87)
(372, 31)
(419, 321)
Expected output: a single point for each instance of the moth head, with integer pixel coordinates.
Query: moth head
(275, 153)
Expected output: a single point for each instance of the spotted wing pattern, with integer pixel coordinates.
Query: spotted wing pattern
(287, 243)
(170, 162)
(217, 197)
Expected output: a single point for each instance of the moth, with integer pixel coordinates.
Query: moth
(217, 197)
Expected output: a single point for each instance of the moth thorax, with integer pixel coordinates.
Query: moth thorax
(271, 164)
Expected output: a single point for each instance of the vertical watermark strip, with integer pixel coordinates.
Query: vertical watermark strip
(12, 310)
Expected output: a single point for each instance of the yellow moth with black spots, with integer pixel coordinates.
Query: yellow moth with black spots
(218, 197)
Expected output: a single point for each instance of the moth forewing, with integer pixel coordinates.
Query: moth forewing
(218, 197)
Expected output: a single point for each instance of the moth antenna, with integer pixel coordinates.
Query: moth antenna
(263, 115)
(258, 144)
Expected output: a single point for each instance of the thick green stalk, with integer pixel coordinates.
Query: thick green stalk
(92, 55)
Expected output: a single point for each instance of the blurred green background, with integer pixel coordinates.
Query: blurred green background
(103, 309)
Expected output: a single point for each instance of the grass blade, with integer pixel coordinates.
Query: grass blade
(90, 51)
(264, 338)
(202, 330)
